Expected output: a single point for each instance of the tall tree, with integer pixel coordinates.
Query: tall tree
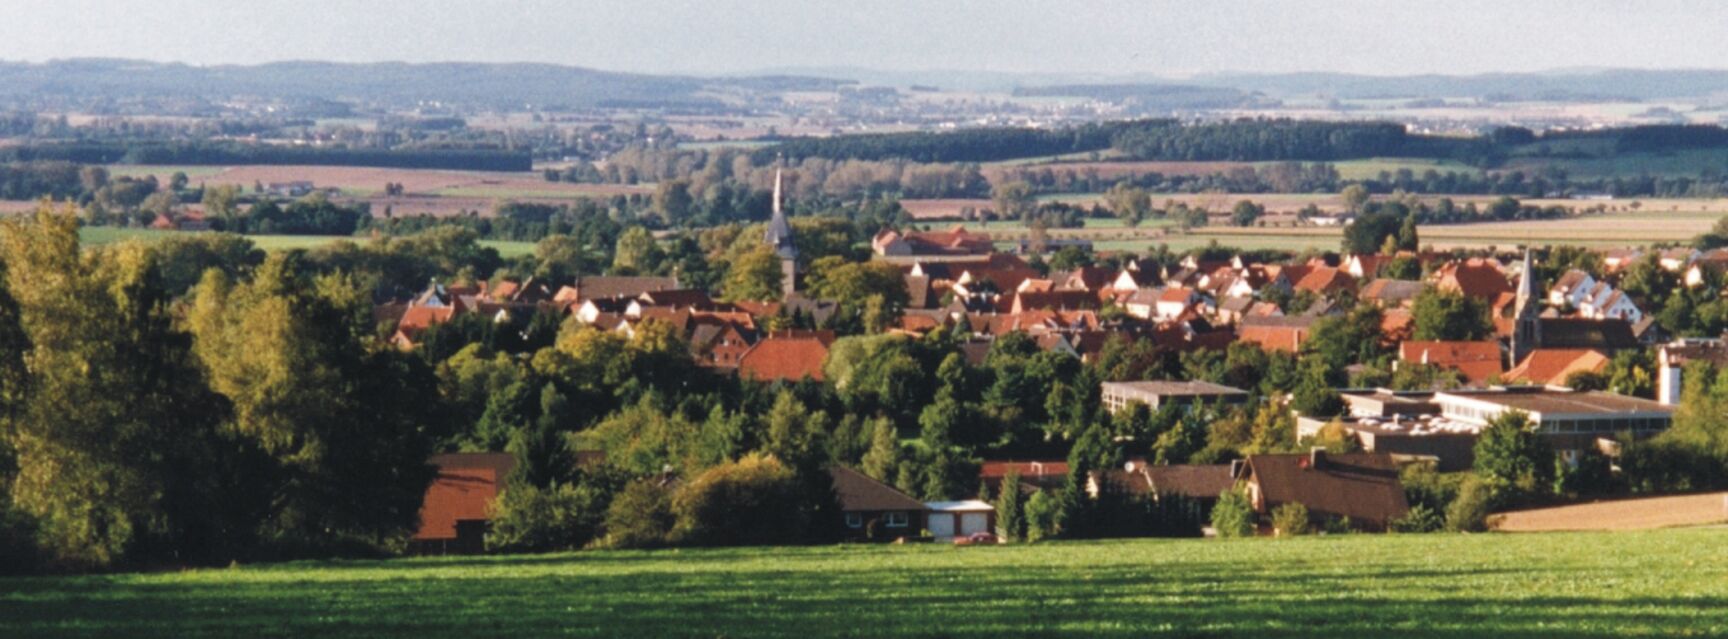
(348, 421)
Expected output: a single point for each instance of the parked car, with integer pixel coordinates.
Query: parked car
(977, 539)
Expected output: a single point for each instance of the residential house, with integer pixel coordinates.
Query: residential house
(1553, 366)
(786, 356)
(1478, 278)
(872, 510)
(1276, 333)
(1672, 358)
(954, 241)
(1362, 487)
(1477, 361)
(617, 286)
(1386, 293)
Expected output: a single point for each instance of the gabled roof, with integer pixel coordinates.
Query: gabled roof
(1325, 279)
(1608, 334)
(784, 359)
(1474, 278)
(1195, 481)
(860, 493)
(1554, 365)
(1361, 486)
(600, 286)
(1478, 361)
(1387, 291)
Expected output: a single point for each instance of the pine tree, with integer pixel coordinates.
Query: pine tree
(1010, 510)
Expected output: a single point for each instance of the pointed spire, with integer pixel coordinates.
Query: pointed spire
(776, 191)
(779, 233)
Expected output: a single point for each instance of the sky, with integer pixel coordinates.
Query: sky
(1110, 37)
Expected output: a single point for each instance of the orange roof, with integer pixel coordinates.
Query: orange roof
(418, 318)
(1396, 324)
(1473, 278)
(1325, 279)
(1478, 361)
(1554, 365)
(1274, 338)
(784, 358)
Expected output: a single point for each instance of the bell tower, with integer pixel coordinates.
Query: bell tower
(779, 238)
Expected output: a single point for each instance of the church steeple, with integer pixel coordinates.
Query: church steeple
(779, 238)
(1527, 309)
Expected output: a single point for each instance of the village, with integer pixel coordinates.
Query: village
(1546, 354)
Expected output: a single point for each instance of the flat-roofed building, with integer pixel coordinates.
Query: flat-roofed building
(1571, 419)
(1155, 395)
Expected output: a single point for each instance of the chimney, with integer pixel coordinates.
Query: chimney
(1316, 457)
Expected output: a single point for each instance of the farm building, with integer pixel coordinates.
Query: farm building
(457, 506)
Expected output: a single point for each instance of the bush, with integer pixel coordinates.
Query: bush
(754, 501)
(530, 518)
(1042, 513)
(640, 516)
(1425, 486)
(1420, 519)
(1469, 511)
(1289, 520)
(1233, 516)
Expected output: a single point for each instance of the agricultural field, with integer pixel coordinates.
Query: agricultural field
(1668, 583)
(1372, 167)
(99, 235)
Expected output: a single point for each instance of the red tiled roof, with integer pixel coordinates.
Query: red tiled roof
(1554, 365)
(1478, 361)
(784, 358)
(1475, 279)
(1279, 338)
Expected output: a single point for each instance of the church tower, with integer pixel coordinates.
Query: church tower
(1527, 326)
(779, 238)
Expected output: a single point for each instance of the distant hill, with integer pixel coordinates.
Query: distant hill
(471, 84)
(1157, 96)
(1605, 84)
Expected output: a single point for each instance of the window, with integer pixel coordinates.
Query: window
(854, 520)
(896, 520)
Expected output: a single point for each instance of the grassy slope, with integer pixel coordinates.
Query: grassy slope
(94, 235)
(1547, 585)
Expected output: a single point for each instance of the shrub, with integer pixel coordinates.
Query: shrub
(1289, 520)
(755, 500)
(1469, 511)
(1042, 513)
(530, 518)
(1419, 519)
(640, 516)
(1233, 516)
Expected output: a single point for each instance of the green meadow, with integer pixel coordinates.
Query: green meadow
(1561, 585)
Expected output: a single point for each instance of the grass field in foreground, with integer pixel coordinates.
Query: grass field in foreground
(97, 235)
(1668, 583)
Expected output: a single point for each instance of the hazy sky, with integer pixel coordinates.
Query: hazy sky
(718, 36)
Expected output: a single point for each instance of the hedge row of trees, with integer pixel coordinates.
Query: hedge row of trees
(225, 153)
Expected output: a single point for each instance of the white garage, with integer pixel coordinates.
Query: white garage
(950, 519)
